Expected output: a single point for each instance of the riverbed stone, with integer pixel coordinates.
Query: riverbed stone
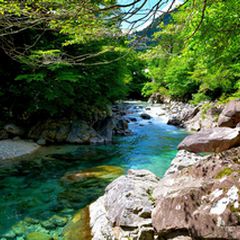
(211, 140)
(38, 236)
(103, 172)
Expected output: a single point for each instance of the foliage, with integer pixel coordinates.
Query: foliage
(62, 58)
(198, 62)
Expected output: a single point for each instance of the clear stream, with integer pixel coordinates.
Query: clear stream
(36, 197)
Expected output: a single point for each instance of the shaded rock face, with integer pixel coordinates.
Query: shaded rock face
(202, 200)
(61, 131)
(124, 212)
(230, 115)
(211, 140)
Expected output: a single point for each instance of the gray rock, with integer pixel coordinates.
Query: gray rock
(182, 160)
(211, 140)
(13, 149)
(125, 209)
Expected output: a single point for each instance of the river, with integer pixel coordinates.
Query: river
(42, 192)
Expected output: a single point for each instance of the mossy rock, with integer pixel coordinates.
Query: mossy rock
(79, 226)
(38, 236)
(101, 172)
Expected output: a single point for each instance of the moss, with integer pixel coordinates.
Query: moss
(205, 107)
(150, 196)
(224, 172)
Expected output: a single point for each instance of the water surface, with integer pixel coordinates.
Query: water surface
(34, 189)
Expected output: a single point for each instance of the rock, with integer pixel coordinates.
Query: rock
(105, 128)
(78, 228)
(156, 98)
(12, 149)
(65, 131)
(41, 142)
(38, 236)
(3, 134)
(211, 140)
(132, 119)
(53, 131)
(13, 129)
(174, 120)
(202, 200)
(145, 116)
(121, 127)
(230, 115)
(96, 172)
(125, 209)
(206, 117)
(182, 160)
(80, 133)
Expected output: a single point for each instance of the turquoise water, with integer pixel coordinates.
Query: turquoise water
(34, 192)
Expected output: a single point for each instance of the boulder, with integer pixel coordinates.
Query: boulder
(230, 115)
(13, 129)
(124, 212)
(145, 116)
(211, 140)
(201, 201)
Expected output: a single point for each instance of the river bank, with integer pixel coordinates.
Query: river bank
(198, 198)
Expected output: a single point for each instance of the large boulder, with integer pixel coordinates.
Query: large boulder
(124, 212)
(211, 140)
(202, 200)
(230, 115)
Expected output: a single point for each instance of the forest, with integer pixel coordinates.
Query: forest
(61, 57)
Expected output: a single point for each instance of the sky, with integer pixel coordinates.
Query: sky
(150, 3)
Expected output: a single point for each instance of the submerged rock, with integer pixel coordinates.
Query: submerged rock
(78, 228)
(38, 236)
(230, 115)
(211, 140)
(104, 172)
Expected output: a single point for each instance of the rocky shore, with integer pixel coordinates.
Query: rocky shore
(198, 198)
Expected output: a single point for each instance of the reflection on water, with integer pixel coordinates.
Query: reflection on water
(37, 196)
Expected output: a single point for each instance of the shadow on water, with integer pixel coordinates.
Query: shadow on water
(59, 180)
